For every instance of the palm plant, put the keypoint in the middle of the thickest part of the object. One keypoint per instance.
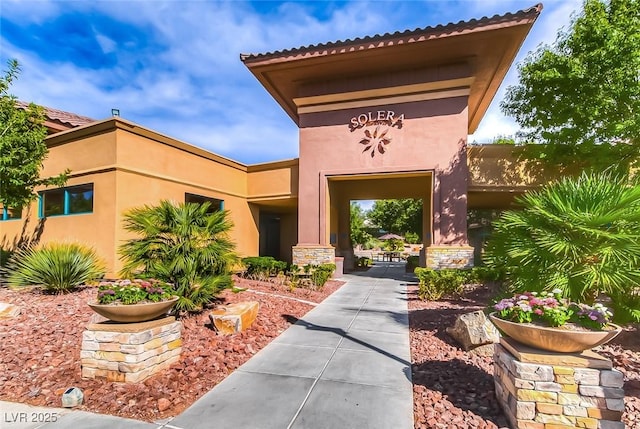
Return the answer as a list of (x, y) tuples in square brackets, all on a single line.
[(181, 244), (580, 235), (56, 267)]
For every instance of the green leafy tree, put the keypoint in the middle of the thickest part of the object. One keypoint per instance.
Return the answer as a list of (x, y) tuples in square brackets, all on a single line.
[(22, 146), (184, 245), (398, 216), (359, 234), (580, 235), (581, 96), (412, 238), (393, 245), (503, 140)]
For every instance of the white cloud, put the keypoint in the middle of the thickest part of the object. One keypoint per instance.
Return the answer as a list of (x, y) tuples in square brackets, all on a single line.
[(106, 44), (182, 75)]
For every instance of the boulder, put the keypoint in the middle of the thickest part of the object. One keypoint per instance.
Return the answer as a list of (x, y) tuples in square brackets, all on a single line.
[(72, 397), (8, 311), (232, 318), (472, 330)]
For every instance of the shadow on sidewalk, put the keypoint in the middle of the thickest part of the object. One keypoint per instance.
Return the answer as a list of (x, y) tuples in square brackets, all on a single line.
[(341, 332)]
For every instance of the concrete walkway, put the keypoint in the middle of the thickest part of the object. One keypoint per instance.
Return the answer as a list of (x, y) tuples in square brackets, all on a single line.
[(345, 364)]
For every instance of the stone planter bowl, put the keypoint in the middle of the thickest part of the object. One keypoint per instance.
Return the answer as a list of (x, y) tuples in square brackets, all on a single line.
[(134, 312), (555, 339)]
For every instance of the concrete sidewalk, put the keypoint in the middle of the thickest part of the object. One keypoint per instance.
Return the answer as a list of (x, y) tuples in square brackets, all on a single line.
[(345, 364)]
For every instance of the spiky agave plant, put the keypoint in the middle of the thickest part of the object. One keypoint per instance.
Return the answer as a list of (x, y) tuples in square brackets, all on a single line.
[(580, 235), (181, 244), (56, 267)]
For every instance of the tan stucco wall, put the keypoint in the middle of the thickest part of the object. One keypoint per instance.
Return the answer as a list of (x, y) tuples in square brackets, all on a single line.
[(131, 166), (82, 154), (273, 180), (167, 172), (91, 160), (499, 166)]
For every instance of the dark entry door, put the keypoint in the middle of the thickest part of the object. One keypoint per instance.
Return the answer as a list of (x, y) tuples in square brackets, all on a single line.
[(270, 235)]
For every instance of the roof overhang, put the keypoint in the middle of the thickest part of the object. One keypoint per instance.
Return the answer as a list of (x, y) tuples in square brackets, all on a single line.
[(304, 78)]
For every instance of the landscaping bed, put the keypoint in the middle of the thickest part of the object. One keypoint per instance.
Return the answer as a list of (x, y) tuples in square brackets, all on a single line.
[(40, 354), (40, 357), (454, 389)]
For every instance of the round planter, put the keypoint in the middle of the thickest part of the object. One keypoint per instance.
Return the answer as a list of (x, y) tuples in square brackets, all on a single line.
[(133, 312), (554, 339)]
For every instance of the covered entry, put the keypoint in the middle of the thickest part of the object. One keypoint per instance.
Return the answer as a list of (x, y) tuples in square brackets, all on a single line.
[(344, 188), (388, 116)]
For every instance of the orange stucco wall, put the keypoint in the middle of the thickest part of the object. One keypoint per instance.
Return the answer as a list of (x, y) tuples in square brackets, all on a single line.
[(273, 180), (131, 166), (91, 160)]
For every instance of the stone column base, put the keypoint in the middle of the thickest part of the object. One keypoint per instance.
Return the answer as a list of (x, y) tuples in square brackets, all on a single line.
[(313, 254), (540, 390), (130, 352), (440, 257)]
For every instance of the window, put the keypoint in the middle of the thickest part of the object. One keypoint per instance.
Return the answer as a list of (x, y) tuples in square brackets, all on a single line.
[(9, 213), (216, 204), (66, 201)]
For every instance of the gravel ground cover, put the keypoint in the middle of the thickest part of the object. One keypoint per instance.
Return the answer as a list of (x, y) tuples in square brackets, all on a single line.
[(40, 354), (454, 389)]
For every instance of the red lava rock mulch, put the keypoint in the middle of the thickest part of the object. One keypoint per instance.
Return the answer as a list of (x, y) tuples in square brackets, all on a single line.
[(454, 389), (40, 354)]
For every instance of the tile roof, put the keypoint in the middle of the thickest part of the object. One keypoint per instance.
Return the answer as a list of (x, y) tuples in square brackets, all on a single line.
[(423, 33), (61, 117)]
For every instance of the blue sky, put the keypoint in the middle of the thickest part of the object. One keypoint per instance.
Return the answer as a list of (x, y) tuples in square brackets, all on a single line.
[(174, 67)]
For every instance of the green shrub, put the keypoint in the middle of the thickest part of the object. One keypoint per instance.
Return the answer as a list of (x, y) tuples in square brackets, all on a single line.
[(182, 244), (320, 274), (485, 274), (263, 266), (412, 263), (580, 235), (311, 276), (626, 309), (364, 262), (435, 284), (56, 267), (5, 255), (393, 245)]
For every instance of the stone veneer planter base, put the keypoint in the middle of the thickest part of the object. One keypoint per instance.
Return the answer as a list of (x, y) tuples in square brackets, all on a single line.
[(546, 390), (130, 352), (443, 257), (313, 254)]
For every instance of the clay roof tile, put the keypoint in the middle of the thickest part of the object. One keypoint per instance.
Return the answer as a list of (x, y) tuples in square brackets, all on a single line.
[(68, 119), (423, 32)]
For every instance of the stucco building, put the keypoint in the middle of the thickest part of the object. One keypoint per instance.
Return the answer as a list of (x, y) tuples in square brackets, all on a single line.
[(385, 116)]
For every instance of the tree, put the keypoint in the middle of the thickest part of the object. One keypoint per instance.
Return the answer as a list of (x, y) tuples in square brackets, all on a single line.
[(503, 140), (580, 235), (22, 146), (182, 244), (581, 96), (359, 234), (398, 216)]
